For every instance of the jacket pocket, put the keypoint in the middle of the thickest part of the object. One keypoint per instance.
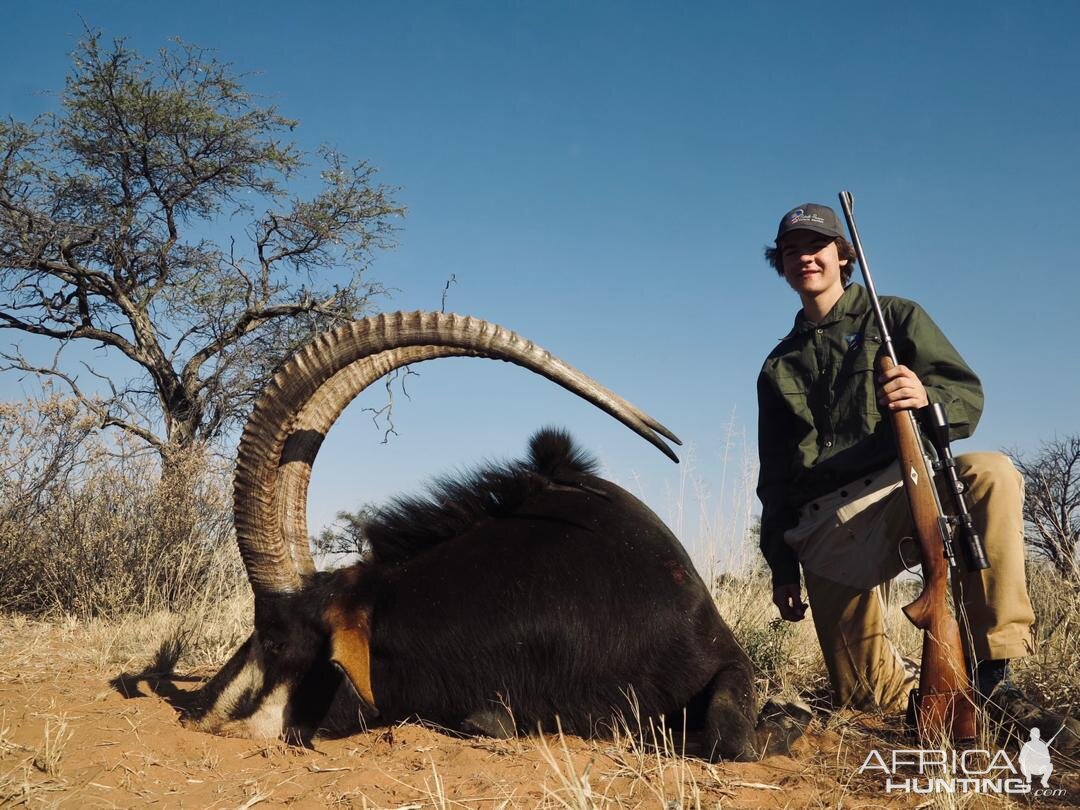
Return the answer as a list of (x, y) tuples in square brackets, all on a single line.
[(791, 386), (855, 394)]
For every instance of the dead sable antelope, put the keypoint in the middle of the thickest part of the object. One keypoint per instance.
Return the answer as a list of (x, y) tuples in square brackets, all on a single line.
[(529, 592)]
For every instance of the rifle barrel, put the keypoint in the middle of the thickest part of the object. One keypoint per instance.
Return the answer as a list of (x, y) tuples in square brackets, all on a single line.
[(847, 202)]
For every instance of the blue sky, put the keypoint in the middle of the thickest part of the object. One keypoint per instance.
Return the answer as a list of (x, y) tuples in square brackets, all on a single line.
[(602, 177)]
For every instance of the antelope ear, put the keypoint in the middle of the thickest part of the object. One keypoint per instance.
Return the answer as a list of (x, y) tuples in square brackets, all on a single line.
[(350, 644)]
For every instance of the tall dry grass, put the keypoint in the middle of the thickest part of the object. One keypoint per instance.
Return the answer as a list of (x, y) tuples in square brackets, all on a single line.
[(89, 527), (1050, 676), (715, 520)]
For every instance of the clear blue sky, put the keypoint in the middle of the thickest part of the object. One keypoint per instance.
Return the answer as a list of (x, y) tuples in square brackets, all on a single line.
[(602, 177)]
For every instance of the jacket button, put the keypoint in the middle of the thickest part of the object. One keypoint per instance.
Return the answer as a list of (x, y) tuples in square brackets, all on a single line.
[(843, 493), (815, 506)]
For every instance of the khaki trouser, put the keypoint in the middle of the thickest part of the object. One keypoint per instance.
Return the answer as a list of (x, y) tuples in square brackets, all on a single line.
[(849, 543)]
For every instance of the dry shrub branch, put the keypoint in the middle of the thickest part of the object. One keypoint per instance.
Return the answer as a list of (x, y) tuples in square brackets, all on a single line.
[(90, 527)]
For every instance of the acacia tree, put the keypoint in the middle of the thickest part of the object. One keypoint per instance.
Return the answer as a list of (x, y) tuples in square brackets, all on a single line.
[(1052, 502), (348, 535), (150, 216)]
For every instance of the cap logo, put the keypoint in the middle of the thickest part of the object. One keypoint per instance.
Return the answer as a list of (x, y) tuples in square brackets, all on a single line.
[(799, 216)]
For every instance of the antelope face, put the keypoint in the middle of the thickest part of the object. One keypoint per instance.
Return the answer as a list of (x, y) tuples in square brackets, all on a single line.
[(280, 683)]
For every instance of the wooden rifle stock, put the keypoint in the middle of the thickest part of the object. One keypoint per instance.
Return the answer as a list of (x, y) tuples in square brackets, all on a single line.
[(944, 703)]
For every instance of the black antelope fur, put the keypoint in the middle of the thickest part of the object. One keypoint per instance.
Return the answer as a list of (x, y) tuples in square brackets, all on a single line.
[(514, 598)]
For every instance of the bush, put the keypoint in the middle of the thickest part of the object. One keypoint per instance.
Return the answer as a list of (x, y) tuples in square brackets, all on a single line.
[(92, 528), (1050, 675)]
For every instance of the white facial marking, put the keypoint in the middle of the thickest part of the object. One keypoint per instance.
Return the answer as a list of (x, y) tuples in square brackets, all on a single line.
[(267, 722)]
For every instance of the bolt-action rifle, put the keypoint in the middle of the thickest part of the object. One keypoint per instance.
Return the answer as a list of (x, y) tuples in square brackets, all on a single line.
[(944, 702)]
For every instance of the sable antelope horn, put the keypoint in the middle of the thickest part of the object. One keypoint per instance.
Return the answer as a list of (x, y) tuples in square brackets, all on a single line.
[(308, 393)]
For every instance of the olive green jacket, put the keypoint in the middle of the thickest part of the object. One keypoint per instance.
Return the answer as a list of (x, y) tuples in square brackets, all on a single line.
[(819, 423)]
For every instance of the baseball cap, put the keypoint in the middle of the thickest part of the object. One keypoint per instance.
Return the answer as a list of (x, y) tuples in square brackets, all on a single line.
[(810, 217)]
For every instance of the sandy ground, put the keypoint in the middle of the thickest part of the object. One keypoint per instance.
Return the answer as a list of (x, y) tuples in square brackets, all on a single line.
[(75, 734)]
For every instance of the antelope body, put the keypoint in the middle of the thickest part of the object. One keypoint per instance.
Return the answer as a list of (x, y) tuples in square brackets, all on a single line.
[(527, 596)]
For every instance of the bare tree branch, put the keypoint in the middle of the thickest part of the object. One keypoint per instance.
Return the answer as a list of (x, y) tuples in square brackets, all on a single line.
[(385, 414), (105, 410), (1052, 502), (446, 290)]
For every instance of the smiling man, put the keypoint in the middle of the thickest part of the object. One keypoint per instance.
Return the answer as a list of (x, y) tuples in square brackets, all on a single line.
[(832, 499)]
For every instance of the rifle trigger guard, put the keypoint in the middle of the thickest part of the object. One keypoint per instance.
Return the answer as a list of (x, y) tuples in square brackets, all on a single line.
[(909, 567)]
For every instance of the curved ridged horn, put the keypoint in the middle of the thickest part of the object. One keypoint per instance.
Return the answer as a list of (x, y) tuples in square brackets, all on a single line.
[(313, 423), (376, 346)]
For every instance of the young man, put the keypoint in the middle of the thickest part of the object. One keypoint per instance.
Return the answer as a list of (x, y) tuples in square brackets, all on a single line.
[(829, 484)]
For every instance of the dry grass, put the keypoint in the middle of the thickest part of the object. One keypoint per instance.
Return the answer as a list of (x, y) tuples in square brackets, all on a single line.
[(55, 739), (639, 766), (92, 528), (1051, 674)]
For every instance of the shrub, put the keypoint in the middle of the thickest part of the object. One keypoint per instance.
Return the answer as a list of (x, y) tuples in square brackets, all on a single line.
[(1050, 675), (90, 528)]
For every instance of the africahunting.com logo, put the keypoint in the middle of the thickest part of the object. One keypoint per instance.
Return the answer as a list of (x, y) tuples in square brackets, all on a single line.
[(974, 770)]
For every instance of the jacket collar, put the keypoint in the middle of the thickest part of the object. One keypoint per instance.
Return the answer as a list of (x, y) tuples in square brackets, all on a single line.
[(855, 301)]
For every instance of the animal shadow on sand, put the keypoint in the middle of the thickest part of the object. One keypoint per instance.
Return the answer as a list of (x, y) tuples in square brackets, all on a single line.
[(160, 678)]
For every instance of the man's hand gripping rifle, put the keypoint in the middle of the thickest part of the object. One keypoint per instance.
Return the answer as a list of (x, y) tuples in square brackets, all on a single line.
[(944, 702)]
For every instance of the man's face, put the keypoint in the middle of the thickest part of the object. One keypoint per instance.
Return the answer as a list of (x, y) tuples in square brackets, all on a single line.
[(811, 262)]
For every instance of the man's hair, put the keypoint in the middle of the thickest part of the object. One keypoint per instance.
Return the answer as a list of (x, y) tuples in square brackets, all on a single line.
[(843, 248)]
